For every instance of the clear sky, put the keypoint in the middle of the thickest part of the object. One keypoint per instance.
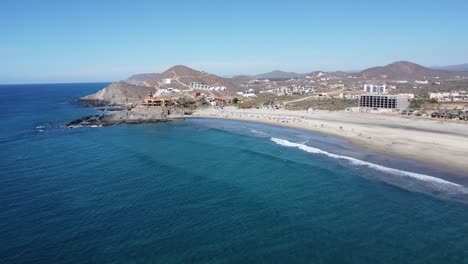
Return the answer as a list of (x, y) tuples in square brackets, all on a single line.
[(82, 41)]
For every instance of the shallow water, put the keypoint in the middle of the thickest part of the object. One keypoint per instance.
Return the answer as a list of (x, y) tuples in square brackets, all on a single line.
[(208, 191)]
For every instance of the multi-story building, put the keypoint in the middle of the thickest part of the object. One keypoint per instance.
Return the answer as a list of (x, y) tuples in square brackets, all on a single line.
[(383, 101)]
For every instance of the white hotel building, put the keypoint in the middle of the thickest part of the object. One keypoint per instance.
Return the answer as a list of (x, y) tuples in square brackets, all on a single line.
[(376, 97)]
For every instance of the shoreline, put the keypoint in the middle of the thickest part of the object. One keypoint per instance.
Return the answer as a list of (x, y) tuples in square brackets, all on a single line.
[(420, 140)]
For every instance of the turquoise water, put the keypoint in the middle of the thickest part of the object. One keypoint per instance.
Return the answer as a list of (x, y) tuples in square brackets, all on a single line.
[(209, 191)]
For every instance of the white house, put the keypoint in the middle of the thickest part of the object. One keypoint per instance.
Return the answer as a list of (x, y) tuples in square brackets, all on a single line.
[(407, 95), (422, 82), (166, 81)]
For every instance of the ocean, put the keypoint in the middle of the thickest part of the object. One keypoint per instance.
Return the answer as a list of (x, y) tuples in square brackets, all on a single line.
[(210, 191)]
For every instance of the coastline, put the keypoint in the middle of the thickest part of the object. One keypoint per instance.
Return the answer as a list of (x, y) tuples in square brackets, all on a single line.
[(433, 142)]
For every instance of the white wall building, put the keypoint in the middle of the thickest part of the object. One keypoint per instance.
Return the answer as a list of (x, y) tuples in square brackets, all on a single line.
[(337, 85), (165, 81), (450, 96), (422, 82), (168, 91), (348, 96), (202, 86), (378, 89), (407, 95)]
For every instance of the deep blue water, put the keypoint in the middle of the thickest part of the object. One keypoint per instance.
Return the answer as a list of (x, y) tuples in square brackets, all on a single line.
[(207, 191)]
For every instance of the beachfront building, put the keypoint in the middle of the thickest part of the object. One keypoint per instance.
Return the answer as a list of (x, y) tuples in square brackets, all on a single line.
[(383, 101), (150, 100), (378, 89)]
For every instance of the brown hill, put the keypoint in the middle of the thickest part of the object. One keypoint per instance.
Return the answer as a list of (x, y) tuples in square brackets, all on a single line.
[(404, 70), (279, 75), (119, 93), (141, 78), (183, 76)]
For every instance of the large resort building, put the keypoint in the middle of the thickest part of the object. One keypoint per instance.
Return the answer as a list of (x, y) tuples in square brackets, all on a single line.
[(383, 101), (376, 97)]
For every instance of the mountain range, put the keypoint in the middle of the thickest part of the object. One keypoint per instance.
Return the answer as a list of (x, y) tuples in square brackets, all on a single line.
[(458, 67), (405, 70), (277, 74), (400, 70), (182, 76)]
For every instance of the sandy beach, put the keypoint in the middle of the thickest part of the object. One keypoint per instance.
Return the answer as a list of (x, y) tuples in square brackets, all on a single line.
[(424, 140)]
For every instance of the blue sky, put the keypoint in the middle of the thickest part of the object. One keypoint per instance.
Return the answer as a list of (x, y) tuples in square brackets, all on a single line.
[(83, 41)]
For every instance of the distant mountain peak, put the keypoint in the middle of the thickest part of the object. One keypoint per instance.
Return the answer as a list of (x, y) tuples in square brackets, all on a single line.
[(278, 74), (182, 69), (404, 70), (457, 67)]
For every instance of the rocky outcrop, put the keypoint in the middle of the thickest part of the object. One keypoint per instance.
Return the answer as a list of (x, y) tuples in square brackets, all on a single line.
[(137, 115), (118, 93)]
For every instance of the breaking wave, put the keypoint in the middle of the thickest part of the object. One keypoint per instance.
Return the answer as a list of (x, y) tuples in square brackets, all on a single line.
[(435, 184), (258, 132)]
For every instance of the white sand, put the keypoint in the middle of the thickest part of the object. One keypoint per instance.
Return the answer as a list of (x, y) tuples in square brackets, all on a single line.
[(431, 141)]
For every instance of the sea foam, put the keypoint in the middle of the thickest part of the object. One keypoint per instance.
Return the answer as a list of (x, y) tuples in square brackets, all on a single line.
[(434, 182)]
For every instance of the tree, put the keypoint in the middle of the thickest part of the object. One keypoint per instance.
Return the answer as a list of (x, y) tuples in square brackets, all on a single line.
[(415, 103), (235, 100)]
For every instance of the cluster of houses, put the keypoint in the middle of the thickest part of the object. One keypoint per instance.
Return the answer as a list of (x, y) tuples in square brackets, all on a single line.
[(293, 90), (204, 87), (460, 96), (165, 92), (217, 101), (348, 96), (213, 101), (250, 93)]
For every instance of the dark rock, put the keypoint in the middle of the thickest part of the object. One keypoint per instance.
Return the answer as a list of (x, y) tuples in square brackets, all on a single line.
[(75, 122), (86, 118), (92, 102)]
